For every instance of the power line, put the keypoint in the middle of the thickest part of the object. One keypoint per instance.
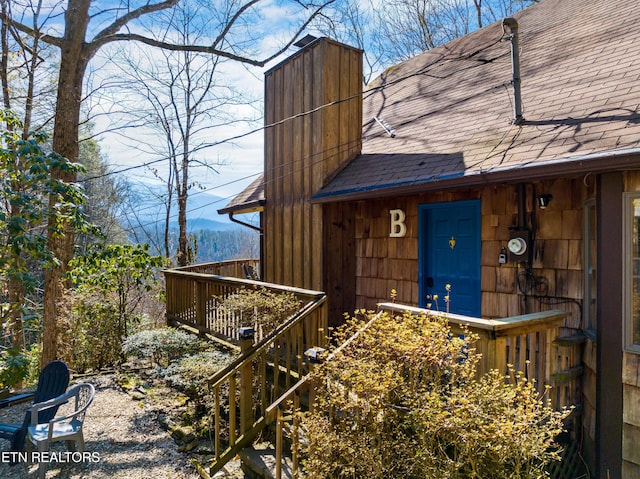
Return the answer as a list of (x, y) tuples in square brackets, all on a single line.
[(364, 95), (321, 154)]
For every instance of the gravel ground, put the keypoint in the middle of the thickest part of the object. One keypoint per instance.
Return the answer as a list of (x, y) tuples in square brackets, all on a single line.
[(123, 434)]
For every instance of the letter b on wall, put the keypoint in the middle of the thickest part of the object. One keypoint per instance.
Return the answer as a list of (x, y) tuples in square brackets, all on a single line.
[(398, 228)]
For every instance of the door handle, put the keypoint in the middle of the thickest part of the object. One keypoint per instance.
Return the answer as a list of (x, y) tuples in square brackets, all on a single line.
[(429, 282)]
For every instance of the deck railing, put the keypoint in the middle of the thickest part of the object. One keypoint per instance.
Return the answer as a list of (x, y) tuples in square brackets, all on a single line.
[(532, 343), (195, 299), (245, 395), (236, 268)]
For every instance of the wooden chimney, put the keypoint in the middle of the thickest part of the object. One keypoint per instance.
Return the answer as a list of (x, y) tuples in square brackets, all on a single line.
[(313, 118)]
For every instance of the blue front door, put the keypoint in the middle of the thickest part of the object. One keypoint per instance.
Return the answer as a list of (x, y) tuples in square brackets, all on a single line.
[(449, 253)]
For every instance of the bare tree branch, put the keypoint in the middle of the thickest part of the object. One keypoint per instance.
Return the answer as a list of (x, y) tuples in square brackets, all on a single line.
[(105, 35), (232, 21), (50, 39), (300, 30)]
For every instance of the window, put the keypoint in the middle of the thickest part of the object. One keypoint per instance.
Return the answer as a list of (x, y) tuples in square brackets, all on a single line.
[(590, 271), (631, 293)]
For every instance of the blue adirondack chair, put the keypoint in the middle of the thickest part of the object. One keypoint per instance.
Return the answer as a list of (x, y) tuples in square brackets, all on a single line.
[(53, 381)]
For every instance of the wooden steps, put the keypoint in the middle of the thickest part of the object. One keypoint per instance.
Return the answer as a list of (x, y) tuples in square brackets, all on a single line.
[(259, 462)]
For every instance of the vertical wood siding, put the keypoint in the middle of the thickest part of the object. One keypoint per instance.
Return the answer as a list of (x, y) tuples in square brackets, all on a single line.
[(631, 389), (340, 265), (304, 151)]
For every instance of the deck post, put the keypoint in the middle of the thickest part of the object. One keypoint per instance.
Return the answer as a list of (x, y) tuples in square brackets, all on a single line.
[(246, 381), (314, 356), (201, 300), (609, 334)]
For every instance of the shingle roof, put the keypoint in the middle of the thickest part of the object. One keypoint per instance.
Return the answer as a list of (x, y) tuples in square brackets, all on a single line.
[(249, 200), (452, 107)]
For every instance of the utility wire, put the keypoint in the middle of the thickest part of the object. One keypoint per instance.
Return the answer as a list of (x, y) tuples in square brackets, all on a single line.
[(320, 154), (364, 95)]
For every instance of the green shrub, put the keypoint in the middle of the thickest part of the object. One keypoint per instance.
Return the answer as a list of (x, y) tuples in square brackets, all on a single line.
[(91, 337), (191, 373), (402, 400), (162, 345), (33, 369), (124, 277), (115, 291), (14, 367)]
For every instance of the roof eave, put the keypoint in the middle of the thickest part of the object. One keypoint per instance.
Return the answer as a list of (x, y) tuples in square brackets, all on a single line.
[(600, 162), (243, 208)]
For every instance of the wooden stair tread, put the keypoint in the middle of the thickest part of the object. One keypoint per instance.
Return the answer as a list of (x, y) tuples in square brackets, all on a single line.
[(259, 461)]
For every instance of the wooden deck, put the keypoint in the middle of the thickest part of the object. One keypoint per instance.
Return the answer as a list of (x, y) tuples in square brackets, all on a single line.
[(272, 368), (531, 343), (245, 395), (195, 295)]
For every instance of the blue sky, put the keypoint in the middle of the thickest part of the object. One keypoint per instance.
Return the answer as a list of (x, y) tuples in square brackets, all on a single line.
[(240, 160)]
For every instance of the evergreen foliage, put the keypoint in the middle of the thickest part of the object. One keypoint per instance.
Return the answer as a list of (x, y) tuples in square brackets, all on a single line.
[(24, 204), (114, 286), (103, 193), (32, 204)]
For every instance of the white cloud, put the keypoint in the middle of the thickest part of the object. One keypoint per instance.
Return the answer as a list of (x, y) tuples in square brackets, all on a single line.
[(240, 160)]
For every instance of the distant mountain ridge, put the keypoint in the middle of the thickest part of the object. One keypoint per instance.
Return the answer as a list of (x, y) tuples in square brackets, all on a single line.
[(202, 214), (202, 211), (199, 224), (216, 237)]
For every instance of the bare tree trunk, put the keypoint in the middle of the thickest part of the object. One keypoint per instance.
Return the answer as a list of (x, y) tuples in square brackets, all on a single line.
[(28, 110), (4, 61), (16, 296), (16, 292), (183, 241), (182, 257), (167, 219), (73, 63)]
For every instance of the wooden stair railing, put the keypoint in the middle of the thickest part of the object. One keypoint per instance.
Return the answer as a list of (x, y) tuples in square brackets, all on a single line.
[(274, 411), (247, 391), (532, 342), (291, 399)]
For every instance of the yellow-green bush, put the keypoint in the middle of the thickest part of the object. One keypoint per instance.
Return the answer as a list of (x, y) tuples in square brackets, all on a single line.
[(260, 307), (403, 401)]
